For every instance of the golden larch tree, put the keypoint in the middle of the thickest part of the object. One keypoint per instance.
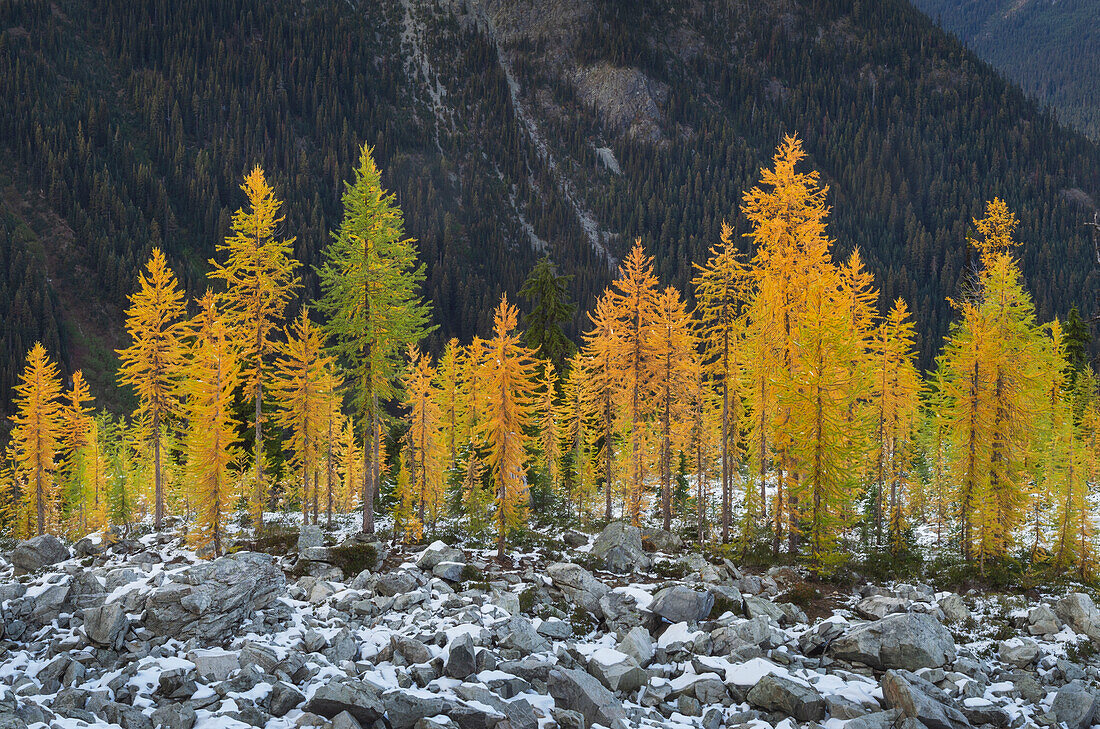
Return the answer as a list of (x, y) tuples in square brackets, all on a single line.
[(423, 440), (259, 282), (720, 292), (212, 375), (77, 443), (35, 435), (151, 363), (508, 379), (633, 298), (675, 368), (602, 369), (298, 388)]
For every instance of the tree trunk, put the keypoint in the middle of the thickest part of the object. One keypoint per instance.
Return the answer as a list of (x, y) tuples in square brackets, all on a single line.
[(158, 485), (258, 487)]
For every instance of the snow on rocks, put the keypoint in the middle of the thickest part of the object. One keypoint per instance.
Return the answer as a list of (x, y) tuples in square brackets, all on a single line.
[(139, 634)]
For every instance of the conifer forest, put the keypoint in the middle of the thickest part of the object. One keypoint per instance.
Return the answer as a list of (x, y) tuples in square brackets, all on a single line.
[(771, 407)]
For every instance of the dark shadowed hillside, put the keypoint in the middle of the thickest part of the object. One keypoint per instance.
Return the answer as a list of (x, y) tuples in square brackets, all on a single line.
[(506, 129)]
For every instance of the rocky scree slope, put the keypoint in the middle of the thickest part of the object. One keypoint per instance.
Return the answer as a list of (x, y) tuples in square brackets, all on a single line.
[(140, 634)]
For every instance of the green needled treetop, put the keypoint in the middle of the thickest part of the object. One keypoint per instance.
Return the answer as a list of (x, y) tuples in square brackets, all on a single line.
[(371, 282), (549, 292)]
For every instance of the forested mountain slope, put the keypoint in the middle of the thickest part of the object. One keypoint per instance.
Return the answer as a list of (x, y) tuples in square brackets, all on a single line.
[(506, 129), (1052, 49)]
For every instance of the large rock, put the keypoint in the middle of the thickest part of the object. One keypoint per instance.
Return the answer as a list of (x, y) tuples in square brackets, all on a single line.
[(877, 607), (659, 540), (616, 670), (106, 626), (310, 537), (638, 644), (578, 585), (921, 700), (209, 601), (438, 552), (358, 698), (576, 690), (1080, 613), (41, 551), (681, 604), (910, 641), (1075, 706), (461, 657), (954, 609), (405, 707), (619, 547), (777, 693)]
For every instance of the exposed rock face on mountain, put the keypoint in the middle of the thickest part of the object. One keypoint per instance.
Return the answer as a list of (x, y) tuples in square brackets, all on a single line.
[(137, 636)]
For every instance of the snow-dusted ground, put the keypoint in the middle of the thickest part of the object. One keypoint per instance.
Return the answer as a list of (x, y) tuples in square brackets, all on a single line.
[(525, 620)]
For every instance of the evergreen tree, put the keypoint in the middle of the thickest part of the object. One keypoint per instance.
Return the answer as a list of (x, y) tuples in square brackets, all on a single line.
[(259, 280), (371, 281), (548, 292)]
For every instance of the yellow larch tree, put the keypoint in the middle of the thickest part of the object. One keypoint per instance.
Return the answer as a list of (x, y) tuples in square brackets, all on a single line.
[(633, 297), (704, 421), (35, 435), (424, 439), (259, 282), (332, 425), (817, 403), (786, 212), (895, 403), (602, 369), (151, 363), (578, 477), (508, 376), (212, 375), (550, 430), (720, 292), (351, 465), (450, 400), (78, 444), (298, 387), (992, 373), (673, 351)]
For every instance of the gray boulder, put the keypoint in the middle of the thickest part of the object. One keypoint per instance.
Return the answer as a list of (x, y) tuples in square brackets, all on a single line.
[(681, 604), (283, 698), (1075, 706), (578, 585), (921, 700), (638, 644), (406, 707), (1020, 652), (1079, 612), (42, 551), (449, 571), (877, 607), (209, 601), (461, 658), (576, 690), (437, 552), (619, 547), (106, 626), (358, 698), (310, 536), (910, 641), (174, 716), (776, 693), (616, 670), (954, 609)]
